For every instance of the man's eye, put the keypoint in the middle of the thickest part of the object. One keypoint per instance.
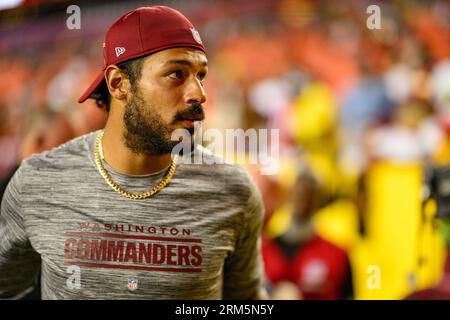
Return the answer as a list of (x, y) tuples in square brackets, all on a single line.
[(178, 74)]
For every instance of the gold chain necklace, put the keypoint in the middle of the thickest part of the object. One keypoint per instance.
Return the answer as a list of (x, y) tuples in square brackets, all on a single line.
[(98, 156)]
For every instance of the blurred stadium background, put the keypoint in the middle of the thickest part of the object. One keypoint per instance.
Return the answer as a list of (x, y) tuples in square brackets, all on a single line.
[(363, 114)]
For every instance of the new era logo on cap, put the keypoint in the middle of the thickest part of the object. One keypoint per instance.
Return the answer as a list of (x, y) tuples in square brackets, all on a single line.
[(120, 51)]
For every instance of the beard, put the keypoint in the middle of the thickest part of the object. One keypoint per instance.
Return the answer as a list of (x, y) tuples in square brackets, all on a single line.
[(145, 131)]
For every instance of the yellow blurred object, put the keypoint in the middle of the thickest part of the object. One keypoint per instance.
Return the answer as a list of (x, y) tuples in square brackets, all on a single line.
[(430, 208), (441, 155), (279, 221), (403, 251), (288, 171), (324, 170), (314, 113), (338, 223)]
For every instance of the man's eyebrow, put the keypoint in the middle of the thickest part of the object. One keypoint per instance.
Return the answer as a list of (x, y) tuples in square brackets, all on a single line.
[(184, 62)]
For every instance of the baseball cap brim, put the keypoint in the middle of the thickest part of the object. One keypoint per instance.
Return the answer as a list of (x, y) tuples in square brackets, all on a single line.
[(92, 88)]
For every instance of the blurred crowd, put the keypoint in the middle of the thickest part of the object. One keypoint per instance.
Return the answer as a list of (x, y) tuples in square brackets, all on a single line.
[(361, 112)]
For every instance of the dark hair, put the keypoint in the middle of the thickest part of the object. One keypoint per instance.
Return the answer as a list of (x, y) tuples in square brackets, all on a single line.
[(132, 69)]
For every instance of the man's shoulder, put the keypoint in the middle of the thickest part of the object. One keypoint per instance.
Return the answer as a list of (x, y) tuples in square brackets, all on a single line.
[(202, 160), (66, 154), (228, 176)]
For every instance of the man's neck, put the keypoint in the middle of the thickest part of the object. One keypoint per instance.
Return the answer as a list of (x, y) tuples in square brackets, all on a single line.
[(123, 160)]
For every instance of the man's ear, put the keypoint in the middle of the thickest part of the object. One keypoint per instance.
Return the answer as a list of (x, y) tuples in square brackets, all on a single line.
[(118, 84)]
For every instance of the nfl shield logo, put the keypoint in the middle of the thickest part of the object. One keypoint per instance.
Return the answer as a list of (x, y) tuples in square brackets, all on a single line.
[(132, 284), (196, 36)]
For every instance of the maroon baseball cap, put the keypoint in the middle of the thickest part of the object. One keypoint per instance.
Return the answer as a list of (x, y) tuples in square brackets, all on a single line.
[(141, 32)]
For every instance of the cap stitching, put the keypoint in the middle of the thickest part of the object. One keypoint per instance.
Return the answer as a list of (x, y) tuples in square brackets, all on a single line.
[(139, 30)]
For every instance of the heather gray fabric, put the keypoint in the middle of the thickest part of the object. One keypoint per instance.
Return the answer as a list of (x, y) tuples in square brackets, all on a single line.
[(198, 238)]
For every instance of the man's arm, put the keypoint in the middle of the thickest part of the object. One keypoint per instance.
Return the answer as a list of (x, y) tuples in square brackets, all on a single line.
[(244, 271), (19, 262)]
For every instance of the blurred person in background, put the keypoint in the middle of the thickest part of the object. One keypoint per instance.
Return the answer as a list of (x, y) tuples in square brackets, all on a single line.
[(46, 130), (299, 256), (9, 145)]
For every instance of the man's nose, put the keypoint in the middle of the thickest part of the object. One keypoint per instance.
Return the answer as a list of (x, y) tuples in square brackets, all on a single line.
[(195, 94)]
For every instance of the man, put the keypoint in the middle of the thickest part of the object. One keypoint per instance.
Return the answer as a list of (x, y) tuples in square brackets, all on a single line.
[(110, 214), (300, 255)]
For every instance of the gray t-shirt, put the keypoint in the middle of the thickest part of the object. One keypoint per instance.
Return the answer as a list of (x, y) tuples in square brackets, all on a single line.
[(198, 238)]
